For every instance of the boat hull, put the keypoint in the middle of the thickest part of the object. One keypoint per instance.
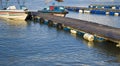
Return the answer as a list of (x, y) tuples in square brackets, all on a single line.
[(62, 14), (13, 14)]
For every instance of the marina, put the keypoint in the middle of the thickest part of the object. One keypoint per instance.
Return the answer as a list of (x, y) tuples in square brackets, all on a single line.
[(77, 39)]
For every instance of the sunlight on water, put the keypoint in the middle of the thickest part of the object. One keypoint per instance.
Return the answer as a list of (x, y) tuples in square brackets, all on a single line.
[(19, 23)]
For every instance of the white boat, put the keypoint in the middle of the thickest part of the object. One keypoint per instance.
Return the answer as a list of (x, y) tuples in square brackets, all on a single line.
[(13, 13)]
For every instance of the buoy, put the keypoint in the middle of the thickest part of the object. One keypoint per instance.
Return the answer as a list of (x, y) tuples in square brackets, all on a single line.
[(103, 7), (113, 7), (80, 33), (59, 26), (50, 23), (92, 11), (107, 7), (100, 12), (80, 11), (100, 39), (42, 20), (116, 14), (46, 22), (88, 37), (111, 13), (66, 29), (107, 13), (118, 45), (86, 11), (73, 31)]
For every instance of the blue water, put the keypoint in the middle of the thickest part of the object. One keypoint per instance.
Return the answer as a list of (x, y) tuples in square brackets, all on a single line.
[(33, 44)]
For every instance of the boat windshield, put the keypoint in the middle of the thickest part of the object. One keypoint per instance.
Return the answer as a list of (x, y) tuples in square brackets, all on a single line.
[(61, 8)]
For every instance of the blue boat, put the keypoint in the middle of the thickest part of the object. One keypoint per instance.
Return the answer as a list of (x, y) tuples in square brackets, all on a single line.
[(55, 10)]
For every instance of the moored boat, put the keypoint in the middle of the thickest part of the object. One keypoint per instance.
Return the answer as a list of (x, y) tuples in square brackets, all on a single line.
[(55, 10), (13, 13)]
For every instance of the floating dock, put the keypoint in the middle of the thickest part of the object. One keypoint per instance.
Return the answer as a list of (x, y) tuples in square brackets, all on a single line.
[(95, 10), (88, 30), (104, 6)]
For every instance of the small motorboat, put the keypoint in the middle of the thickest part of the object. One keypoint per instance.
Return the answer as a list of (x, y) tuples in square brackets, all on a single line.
[(55, 10), (11, 11)]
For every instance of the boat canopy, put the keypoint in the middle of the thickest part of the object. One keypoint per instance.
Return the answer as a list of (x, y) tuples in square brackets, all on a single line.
[(11, 8)]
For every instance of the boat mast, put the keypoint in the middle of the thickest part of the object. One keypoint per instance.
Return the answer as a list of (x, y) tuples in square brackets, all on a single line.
[(1, 4), (18, 3), (21, 3), (24, 2), (6, 3)]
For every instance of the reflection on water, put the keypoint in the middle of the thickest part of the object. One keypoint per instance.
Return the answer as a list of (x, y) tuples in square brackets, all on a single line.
[(90, 44), (73, 34), (35, 44), (16, 22)]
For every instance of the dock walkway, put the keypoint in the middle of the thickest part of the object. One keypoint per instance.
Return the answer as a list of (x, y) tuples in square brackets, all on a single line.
[(109, 33)]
